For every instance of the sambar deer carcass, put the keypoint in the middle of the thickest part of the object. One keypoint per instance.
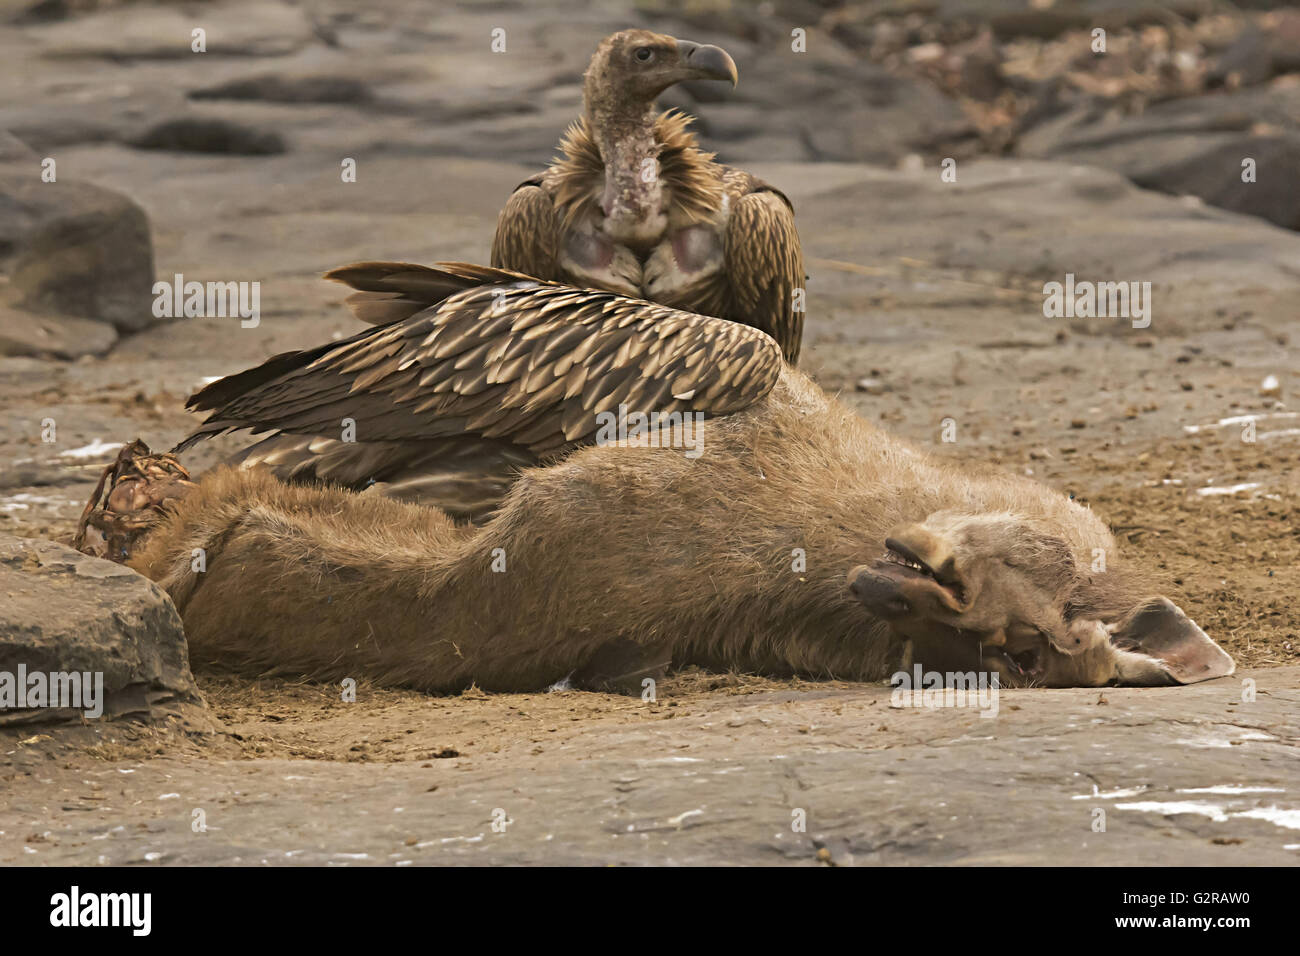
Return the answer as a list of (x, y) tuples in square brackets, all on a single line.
[(785, 535)]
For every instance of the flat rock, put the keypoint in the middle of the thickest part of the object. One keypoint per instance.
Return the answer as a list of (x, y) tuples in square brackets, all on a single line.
[(66, 612), (281, 88), (203, 134), (1191, 776), (262, 28), (1192, 147), (73, 249), (55, 336), (1035, 219)]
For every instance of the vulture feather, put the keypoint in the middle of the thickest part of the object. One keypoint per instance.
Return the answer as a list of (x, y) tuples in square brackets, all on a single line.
[(634, 206), (439, 418)]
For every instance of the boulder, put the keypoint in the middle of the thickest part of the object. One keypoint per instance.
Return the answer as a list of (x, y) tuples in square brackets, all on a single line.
[(63, 611), (1192, 147), (73, 249), (286, 88), (1213, 172), (878, 117), (56, 336), (1260, 52), (198, 134), (830, 112)]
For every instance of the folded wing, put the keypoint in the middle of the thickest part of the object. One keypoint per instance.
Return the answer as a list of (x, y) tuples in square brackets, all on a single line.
[(479, 365)]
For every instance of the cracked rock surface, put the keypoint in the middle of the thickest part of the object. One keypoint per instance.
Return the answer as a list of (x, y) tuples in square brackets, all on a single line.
[(1115, 777)]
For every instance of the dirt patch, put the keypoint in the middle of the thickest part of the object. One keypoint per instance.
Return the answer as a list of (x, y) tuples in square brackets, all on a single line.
[(1231, 558), (274, 718)]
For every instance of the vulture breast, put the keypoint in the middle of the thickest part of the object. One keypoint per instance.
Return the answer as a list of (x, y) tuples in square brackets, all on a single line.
[(674, 266)]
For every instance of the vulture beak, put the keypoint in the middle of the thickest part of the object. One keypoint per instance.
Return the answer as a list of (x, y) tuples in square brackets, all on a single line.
[(706, 62)]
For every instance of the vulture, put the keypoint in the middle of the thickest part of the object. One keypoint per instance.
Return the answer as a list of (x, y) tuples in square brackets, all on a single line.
[(478, 373), (634, 205)]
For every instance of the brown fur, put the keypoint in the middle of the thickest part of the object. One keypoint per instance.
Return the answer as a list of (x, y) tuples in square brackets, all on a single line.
[(613, 543)]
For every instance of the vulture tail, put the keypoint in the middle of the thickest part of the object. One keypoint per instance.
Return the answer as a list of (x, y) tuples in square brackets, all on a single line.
[(391, 291)]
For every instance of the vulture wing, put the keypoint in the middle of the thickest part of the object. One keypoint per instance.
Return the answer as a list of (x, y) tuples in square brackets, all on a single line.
[(506, 359), (527, 239), (764, 266)]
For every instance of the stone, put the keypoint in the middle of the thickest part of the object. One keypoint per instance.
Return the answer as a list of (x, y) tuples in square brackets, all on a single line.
[(279, 88), (1004, 217), (74, 249), (1192, 147), (53, 336), (1260, 54), (196, 134), (65, 612), (871, 386), (879, 117), (1213, 173), (246, 28), (880, 785)]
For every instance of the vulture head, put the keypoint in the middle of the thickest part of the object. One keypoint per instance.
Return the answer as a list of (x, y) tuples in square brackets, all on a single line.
[(631, 68)]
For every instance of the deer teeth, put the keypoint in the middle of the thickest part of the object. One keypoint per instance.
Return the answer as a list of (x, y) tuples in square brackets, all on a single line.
[(895, 558)]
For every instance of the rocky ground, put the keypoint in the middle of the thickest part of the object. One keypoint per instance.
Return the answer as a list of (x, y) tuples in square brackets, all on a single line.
[(926, 304), (719, 771)]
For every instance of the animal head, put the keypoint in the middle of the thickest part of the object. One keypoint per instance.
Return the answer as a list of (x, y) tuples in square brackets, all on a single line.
[(635, 66), (1005, 593)]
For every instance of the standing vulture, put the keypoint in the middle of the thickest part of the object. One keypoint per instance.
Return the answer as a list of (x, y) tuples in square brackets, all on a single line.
[(479, 373), (636, 207)]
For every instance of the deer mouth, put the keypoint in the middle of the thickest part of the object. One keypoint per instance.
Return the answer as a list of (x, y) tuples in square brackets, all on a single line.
[(916, 582), (1026, 665)]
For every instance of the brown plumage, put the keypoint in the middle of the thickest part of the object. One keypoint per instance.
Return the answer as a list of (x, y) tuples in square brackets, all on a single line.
[(635, 206), (478, 373)]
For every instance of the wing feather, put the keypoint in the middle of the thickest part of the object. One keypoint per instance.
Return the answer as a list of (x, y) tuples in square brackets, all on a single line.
[(764, 266), (527, 362), (527, 239)]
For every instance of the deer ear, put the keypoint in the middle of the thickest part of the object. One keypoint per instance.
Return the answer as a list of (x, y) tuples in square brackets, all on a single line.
[(1158, 644)]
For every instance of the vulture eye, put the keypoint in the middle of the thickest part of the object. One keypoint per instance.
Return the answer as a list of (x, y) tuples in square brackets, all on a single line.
[(644, 54)]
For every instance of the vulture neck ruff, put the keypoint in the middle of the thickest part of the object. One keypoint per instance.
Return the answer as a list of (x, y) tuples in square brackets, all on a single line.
[(688, 183)]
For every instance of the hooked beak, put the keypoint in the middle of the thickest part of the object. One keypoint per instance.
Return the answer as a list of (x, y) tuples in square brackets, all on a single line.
[(707, 62)]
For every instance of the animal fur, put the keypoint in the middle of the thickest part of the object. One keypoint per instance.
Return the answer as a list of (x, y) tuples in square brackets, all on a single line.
[(692, 559)]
